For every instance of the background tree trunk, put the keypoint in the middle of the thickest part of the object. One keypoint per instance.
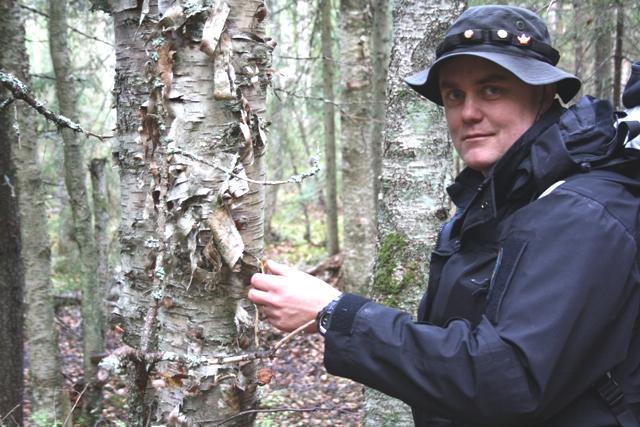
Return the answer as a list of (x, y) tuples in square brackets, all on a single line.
[(99, 192), (603, 47), (49, 403), (331, 198), (358, 174), (191, 233), (75, 174), (417, 167), (617, 56), (11, 267)]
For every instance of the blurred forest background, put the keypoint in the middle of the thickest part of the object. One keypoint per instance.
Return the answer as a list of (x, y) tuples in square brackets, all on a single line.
[(317, 107)]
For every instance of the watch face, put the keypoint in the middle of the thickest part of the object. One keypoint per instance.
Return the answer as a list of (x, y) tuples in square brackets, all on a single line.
[(324, 322)]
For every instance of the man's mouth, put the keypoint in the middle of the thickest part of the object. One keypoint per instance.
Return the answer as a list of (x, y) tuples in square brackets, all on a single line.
[(474, 136)]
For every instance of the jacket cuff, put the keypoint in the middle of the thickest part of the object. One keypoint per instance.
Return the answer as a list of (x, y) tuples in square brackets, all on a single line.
[(345, 312)]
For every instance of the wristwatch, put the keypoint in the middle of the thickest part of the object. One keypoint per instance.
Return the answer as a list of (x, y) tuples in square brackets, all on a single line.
[(323, 320)]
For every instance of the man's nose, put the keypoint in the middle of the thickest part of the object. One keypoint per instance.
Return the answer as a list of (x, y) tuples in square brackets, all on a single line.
[(471, 111)]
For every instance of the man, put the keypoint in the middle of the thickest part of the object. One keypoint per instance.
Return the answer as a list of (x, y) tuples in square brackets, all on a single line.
[(532, 307)]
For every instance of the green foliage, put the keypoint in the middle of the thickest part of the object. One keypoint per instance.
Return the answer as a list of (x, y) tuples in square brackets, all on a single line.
[(395, 271), (44, 419)]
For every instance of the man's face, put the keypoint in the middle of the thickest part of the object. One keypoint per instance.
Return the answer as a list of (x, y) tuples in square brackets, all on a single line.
[(487, 108)]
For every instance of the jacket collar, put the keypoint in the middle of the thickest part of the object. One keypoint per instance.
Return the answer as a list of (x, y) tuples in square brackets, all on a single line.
[(560, 143)]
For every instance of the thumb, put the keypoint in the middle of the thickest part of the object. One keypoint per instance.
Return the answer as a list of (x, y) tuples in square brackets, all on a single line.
[(278, 269)]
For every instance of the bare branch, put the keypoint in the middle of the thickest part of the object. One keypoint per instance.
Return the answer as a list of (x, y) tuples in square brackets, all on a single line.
[(9, 413), (75, 405), (22, 91), (75, 30), (292, 180)]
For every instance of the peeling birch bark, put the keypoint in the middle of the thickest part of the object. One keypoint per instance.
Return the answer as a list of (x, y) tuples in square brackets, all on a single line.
[(191, 234)]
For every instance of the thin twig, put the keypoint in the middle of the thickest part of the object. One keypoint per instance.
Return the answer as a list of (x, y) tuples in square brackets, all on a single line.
[(9, 413), (293, 179), (291, 335), (75, 405), (75, 30), (22, 91)]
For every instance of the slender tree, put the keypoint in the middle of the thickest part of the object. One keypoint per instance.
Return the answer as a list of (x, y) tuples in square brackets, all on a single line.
[(331, 198), (617, 56), (190, 87), (75, 177), (356, 119), (417, 166), (602, 58), (11, 266)]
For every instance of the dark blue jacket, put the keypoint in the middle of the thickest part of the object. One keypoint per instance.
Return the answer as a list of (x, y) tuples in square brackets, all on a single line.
[(530, 299)]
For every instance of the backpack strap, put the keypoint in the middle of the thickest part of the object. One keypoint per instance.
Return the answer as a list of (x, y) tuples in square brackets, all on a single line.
[(611, 392)]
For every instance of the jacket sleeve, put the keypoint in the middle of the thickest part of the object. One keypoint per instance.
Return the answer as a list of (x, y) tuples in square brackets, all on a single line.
[(563, 302)]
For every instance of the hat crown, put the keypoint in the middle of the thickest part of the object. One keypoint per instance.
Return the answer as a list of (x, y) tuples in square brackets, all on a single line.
[(513, 19)]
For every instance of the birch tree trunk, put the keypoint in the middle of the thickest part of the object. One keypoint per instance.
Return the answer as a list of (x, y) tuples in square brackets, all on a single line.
[(417, 167), (331, 185), (190, 89), (75, 177), (12, 279), (356, 120)]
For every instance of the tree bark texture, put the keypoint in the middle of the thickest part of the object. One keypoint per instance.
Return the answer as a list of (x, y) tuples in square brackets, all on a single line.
[(75, 177), (417, 167), (617, 56), (11, 266), (356, 121), (99, 193), (190, 90), (331, 185), (49, 402), (578, 42)]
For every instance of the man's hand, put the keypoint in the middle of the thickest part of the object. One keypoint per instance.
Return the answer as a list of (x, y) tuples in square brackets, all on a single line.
[(288, 297)]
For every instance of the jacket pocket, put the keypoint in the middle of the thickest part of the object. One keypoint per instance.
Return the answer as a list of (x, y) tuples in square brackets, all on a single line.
[(508, 257)]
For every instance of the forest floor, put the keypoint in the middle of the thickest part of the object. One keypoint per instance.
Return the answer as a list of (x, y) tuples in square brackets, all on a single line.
[(301, 392)]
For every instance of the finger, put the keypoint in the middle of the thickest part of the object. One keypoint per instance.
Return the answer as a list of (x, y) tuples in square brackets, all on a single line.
[(258, 297), (264, 282), (278, 269)]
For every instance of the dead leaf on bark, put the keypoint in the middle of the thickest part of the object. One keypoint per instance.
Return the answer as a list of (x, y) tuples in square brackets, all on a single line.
[(165, 67), (213, 27), (264, 376), (225, 235)]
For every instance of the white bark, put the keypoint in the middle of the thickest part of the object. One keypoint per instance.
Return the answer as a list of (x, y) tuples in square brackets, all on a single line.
[(417, 167), (191, 233), (358, 172)]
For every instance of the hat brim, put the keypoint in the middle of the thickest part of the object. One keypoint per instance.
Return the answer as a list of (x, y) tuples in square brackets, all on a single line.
[(529, 70)]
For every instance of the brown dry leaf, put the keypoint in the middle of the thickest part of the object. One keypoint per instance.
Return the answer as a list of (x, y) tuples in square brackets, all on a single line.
[(213, 27), (165, 66), (264, 376)]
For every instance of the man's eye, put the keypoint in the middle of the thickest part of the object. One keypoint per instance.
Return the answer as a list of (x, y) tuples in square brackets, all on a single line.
[(492, 91), (453, 95)]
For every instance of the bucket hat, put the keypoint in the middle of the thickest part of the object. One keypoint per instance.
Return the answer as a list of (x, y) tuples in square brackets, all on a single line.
[(512, 37)]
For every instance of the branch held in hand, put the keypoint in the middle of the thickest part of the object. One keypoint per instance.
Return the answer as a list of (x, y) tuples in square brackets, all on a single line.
[(22, 91)]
